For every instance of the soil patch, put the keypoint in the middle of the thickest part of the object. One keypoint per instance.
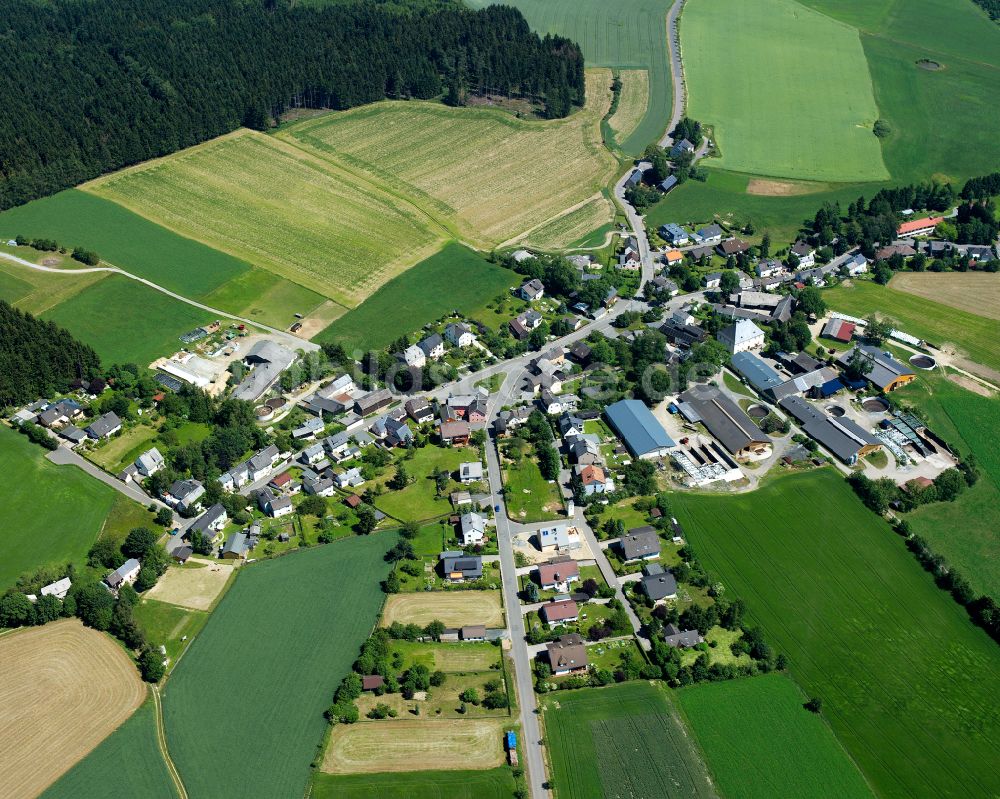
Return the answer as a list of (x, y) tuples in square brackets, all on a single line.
[(971, 385), (782, 188), (192, 588), (454, 608)]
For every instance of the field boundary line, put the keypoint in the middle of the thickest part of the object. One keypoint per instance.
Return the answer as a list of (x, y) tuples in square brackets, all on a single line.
[(575, 207), (161, 742)]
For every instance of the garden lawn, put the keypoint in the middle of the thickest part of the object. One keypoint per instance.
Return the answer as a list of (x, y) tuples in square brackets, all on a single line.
[(629, 34), (907, 682), (542, 502), (760, 742), (943, 326), (449, 657), (127, 322), (814, 65), (129, 759), (453, 279), (419, 500), (496, 783), (49, 515), (623, 740), (292, 627), (124, 448)]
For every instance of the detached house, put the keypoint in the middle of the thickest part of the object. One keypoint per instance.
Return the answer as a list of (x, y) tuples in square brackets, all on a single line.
[(472, 527), (470, 472), (150, 462), (457, 567), (184, 495), (414, 356), (432, 346), (558, 574), (805, 253), (532, 290), (595, 479), (558, 538), (273, 505), (640, 543), (126, 573), (741, 336), (460, 334), (104, 426), (563, 611), (567, 655), (708, 235)]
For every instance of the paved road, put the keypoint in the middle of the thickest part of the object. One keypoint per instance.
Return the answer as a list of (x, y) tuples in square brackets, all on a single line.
[(676, 72), (283, 336)]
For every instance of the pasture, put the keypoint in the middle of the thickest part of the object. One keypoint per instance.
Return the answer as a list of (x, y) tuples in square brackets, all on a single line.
[(452, 279), (413, 745), (495, 783), (760, 742), (945, 327), (194, 588), (568, 228), (629, 34), (454, 608), (290, 626), (444, 146), (814, 65), (49, 515), (168, 625), (129, 759), (633, 99), (63, 689), (264, 201), (977, 293), (907, 682), (623, 740), (450, 657)]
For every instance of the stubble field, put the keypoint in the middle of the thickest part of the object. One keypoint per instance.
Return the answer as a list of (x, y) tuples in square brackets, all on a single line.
[(632, 103), (63, 689), (454, 608), (572, 226)]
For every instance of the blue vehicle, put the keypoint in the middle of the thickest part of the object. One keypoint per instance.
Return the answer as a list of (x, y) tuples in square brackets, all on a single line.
[(496, 508)]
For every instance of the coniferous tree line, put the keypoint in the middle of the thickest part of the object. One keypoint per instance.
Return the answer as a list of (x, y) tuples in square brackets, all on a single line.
[(89, 87), (39, 358)]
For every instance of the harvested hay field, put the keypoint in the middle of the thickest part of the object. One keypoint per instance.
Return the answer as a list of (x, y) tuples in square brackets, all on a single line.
[(63, 689), (191, 587), (564, 230), (454, 608), (426, 153), (975, 292), (410, 745), (763, 187), (278, 207), (632, 103)]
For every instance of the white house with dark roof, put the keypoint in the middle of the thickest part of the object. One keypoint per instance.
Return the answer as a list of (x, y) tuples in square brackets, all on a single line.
[(58, 589), (104, 426), (473, 529), (460, 334), (150, 462), (806, 253), (432, 346), (184, 494), (414, 356), (532, 289), (126, 573)]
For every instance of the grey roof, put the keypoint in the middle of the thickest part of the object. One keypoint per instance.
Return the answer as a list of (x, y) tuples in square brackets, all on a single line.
[(674, 636), (236, 543), (208, 518), (430, 343), (263, 459), (182, 489), (73, 433), (471, 566), (270, 359), (373, 400), (757, 373), (741, 331), (640, 542), (669, 183), (710, 232), (724, 418), (568, 652), (103, 425), (637, 427), (659, 586), (885, 368), (843, 437), (117, 577)]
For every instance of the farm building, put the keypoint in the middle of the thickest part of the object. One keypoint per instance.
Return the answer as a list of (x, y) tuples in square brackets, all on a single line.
[(919, 227), (266, 360), (638, 429), (126, 573), (756, 371), (741, 336), (683, 335), (567, 655), (838, 330), (373, 402), (235, 547), (561, 611), (558, 574), (724, 419), (58, 589), (640, 543), (847, 440), (887, 374), (473, 632), (372, 682)]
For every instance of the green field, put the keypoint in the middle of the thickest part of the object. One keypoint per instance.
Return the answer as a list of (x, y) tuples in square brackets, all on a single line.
[(907, 682), (496, 783), (628, 34), (252, 688), (454, 279), (530, 497), (49, 515), (273, 205), (37, 292), (624, 740), (941, 325), (964, 531), (166, 625), (419, 500), (129, 759), (805, 111), (125, 321), (760, 742)]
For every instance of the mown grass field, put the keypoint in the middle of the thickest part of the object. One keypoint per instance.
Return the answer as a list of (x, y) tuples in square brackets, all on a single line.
[(629, 34), (481, 172), (129, 759), (760, 742), (49, 515), (125, 321), (37, 292), (907, 682), (168, 625), (624, 740), (496, 783), (632, 103), (266, 202), (572, 226), (530, 497), (453, 279), (454, 608), (252, 689), (814, 65), (964, 531), (977, 293), (944, 327), (419, 500)]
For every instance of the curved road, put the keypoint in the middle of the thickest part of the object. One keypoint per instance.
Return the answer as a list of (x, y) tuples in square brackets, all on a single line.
[(287, 338), (676, 72)]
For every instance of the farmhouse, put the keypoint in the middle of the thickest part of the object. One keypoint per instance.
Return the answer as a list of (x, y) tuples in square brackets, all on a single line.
[(658, 583), (562, 611), (844, 438), (724, 419), (838, 330), (104, 426), (887, 374), (432, 346), (150, 462), (919, 227), (457, 567), (558, 537), (266, 360), (558, 574), (309, 428), (470, 472), (683, 335), (741, 336), (640, 543), (532, 290), (594, 479), (473, 529), (58, 589), (683, 147), (567, 655), (373, 402), (685, 639), (460, 334), (126, 573), (638, 429)]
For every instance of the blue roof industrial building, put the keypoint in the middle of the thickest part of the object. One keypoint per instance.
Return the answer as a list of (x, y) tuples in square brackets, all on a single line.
[(638, 429)]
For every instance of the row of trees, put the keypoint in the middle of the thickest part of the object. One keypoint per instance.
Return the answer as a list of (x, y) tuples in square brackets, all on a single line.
[(121, 81)]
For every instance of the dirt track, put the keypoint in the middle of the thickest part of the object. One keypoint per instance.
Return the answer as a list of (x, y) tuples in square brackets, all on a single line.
[(63, 689)]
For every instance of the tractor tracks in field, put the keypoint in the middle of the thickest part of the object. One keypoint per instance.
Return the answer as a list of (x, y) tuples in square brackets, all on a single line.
[(161, 742)]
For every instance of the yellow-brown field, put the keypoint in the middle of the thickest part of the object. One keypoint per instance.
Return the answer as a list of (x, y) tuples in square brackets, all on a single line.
[(196, 588), (975, 292), (454, 608), (632, 102), (570, 227), (63, 689)]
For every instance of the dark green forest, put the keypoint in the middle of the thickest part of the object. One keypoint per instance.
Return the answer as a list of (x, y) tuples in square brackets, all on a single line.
[(39, 358), (89, 86)]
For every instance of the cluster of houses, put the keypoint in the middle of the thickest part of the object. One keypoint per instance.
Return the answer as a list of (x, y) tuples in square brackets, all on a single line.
[(63, 418)]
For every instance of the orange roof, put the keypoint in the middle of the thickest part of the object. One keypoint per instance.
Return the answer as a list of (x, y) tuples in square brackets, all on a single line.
[(919, 224), (674, 255), (592, 474)]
